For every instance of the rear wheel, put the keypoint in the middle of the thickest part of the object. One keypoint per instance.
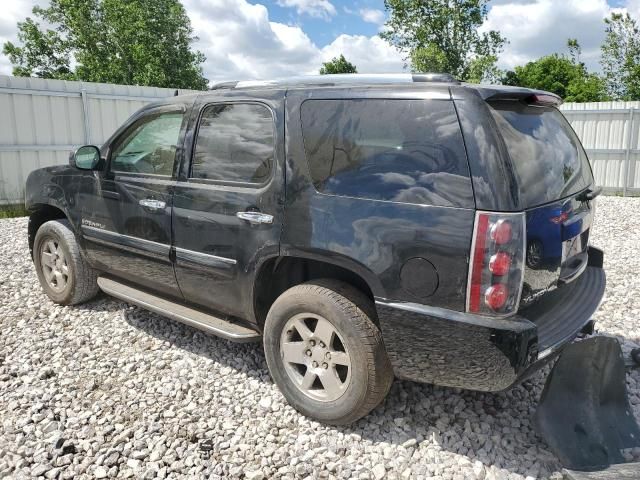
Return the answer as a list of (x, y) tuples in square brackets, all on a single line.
[(325, 353), (64, 274)]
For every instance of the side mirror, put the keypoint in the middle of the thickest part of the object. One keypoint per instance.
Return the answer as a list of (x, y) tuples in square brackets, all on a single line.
[(86, 158)]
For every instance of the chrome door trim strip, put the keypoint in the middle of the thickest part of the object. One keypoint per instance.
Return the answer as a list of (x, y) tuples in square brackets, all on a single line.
[(127, 242), (204, 259), (140, 245)]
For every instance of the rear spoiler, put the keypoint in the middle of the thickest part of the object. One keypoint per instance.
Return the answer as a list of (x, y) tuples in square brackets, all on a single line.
[(534, 97)]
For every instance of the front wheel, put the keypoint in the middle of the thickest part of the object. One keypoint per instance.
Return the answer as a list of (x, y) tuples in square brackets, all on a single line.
[(64, 274), (325, 353)]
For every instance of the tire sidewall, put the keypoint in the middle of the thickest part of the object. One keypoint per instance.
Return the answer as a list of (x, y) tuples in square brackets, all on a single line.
[(283, 310), (50, 230)]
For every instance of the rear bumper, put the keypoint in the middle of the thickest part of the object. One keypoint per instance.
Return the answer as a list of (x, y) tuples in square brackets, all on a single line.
[(444, 347)]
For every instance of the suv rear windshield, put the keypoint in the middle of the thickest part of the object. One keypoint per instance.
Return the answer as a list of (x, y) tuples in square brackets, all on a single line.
[(546, 154), (407, 151)]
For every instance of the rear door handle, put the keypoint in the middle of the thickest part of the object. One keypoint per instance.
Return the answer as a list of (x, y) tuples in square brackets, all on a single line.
[(255, 218), (152, 204)]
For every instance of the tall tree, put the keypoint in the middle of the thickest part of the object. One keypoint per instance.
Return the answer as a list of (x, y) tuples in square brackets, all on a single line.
[(133, 42), (563, 75), (443, 36), (621, 57), (338, 65)]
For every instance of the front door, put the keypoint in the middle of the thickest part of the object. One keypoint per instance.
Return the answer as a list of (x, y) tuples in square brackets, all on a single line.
[(227, 209), (127, 222)]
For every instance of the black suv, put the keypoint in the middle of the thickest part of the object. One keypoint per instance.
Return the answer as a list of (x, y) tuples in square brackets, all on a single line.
[(364, 227)]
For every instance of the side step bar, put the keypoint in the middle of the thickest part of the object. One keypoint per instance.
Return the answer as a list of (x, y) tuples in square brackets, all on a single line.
[(204, 321)]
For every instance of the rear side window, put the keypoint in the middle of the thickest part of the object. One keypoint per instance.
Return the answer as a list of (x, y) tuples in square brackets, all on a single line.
[(547, 156), (408, 151), (235, 143)]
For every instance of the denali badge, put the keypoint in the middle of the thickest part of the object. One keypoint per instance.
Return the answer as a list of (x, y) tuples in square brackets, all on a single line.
[(89, 223)]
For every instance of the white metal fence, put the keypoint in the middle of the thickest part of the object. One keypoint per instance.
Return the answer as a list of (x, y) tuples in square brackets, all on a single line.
[(42, 120), (609, 132)]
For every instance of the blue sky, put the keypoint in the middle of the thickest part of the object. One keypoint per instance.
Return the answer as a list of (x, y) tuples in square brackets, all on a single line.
[(245, 39), (348, 19)]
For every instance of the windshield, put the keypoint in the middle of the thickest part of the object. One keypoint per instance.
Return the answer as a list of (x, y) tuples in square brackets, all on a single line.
[(547, 157)]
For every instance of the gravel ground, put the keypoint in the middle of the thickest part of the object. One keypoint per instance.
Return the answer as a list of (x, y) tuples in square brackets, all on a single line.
[(104, 390)]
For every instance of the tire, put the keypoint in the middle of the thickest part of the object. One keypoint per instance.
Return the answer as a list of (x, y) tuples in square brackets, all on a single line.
[(56, 241), (357, 374)]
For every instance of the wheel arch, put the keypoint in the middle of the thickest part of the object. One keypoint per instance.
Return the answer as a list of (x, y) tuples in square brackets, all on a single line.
[(41, 213), (279, 273)]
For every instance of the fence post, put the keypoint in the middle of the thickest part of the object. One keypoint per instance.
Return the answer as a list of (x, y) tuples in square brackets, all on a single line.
[(627, 160), (85, 113)]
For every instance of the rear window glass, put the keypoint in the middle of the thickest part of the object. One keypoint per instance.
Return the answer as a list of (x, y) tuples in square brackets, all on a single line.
[(408, 151), (546, 154)]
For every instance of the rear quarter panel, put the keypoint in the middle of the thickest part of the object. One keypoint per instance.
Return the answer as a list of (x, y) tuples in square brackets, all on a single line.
[(370, 237)]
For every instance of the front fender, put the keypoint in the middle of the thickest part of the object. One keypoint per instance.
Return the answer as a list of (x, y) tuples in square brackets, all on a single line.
[(47, 186)]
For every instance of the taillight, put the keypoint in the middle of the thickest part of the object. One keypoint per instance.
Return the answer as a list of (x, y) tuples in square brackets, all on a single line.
[(501, 232), (496, 267), (500, 263)]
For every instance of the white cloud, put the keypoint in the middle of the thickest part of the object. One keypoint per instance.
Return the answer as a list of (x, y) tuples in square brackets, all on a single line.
[(372, 15), (633, 7), (240, 42), (368, 54), (541, 27), (314, 8), (12, 13)]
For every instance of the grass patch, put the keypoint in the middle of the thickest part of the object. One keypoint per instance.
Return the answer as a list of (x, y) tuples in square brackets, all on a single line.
[(13, 211)]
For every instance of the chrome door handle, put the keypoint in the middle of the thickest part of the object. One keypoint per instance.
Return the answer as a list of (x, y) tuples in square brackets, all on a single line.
[(255, 218), (152, 204)]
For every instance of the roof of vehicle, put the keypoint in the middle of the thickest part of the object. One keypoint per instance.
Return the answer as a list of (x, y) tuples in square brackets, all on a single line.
[(337, 80), (487, 92), (381, 79)]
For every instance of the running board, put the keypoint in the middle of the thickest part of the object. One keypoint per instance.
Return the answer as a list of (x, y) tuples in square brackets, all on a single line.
[(204, 321)]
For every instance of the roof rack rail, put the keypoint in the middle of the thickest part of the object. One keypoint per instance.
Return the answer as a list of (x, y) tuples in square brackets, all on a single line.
[(220, 85), (434, 77), (340, 79)]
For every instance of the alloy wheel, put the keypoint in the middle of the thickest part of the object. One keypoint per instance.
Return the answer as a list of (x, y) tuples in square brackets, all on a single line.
[(54, 264), (315, 357)]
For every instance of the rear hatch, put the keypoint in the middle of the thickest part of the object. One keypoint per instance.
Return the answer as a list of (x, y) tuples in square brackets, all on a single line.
[(555, 184)]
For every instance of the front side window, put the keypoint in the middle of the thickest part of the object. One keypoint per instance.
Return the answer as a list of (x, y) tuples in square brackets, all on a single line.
[(150, 146), (235, 143), (408, 151)]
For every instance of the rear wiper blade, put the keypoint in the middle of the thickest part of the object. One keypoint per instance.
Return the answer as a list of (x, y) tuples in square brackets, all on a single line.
[(589, 194)]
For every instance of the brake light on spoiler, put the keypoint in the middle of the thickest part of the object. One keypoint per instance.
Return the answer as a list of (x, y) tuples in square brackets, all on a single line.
[(496, 267), (544, 99)]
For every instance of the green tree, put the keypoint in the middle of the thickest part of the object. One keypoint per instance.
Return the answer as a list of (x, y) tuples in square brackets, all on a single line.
[(565, 76), (338, 65), (575, 50), (443, 36), (133, 42), (621, 57)]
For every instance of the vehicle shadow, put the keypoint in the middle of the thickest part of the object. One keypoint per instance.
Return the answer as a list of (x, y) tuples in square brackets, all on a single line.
[(485, 431)]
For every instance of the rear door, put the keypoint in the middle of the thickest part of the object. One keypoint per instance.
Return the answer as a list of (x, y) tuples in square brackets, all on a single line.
[(552, 174), (228, 202)]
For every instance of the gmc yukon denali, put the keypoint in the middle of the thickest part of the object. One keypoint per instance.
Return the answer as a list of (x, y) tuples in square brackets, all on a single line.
[(362, 227)]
